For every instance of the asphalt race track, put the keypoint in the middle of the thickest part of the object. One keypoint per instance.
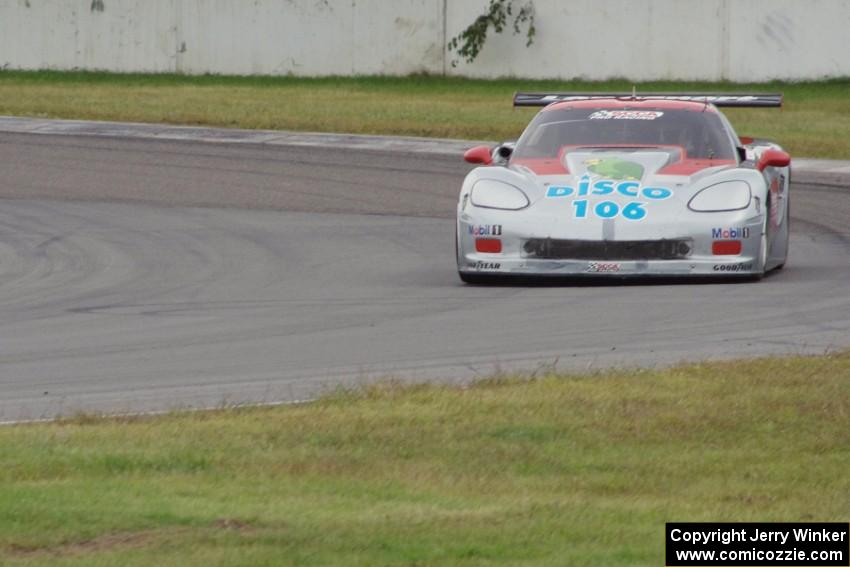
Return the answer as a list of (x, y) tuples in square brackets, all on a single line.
[(148, 275)]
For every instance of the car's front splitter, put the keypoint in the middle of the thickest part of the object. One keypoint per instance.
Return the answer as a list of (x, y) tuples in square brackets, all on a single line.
[(483, 264)]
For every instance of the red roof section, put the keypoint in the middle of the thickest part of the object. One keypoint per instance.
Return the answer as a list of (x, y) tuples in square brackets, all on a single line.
[(638, 104)]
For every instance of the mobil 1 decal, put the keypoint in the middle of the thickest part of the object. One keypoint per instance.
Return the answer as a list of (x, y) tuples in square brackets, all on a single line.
[(618, 196)]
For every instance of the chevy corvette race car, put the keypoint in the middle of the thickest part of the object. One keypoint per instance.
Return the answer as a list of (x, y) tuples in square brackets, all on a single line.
[(625, 185)]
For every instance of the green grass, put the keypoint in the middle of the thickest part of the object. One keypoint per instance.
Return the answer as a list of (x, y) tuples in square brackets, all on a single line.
[(814, 123), (558, 470)]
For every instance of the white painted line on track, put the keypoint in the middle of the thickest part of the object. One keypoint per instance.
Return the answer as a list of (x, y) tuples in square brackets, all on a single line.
[(410, 144), (155, 413)]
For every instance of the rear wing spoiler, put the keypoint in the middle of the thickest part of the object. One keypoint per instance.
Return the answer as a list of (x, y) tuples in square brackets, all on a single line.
[(770, 100)]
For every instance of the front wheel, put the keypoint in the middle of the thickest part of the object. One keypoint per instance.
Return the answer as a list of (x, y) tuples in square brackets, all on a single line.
[(465, 277), (787, 225), (763, 244)]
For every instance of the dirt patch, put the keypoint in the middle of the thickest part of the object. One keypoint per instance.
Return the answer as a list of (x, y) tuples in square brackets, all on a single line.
[(233, 524), (121, 540), (100, 544)]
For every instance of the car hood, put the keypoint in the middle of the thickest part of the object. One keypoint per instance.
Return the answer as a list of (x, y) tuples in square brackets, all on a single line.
[(608, 193), (650, 168)]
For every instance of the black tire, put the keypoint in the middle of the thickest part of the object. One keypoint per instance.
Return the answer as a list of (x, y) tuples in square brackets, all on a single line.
[(765, 240), (470, 278), (787, 233)]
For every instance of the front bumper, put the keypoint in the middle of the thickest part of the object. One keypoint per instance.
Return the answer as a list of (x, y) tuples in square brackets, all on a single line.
[(518, 259)]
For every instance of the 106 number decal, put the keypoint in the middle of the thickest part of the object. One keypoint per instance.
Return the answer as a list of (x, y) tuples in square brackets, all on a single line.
[(635, 210)]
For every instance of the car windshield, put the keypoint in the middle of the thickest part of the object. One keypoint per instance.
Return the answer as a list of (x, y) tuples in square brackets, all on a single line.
[(699, 134)]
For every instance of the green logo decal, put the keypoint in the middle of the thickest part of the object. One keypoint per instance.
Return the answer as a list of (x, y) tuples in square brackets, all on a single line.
[(615, 168)]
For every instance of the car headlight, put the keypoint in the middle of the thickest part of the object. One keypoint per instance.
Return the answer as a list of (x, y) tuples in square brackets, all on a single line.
[(724, 196), (493, 194)]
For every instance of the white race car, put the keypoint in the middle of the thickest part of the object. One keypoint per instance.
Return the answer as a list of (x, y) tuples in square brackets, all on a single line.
[(625, 185)]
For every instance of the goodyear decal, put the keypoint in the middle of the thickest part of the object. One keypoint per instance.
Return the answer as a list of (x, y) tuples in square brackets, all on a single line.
[(740, 267)]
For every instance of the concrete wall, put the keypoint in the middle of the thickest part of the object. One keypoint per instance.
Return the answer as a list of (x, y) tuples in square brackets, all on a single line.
[(739, 40)]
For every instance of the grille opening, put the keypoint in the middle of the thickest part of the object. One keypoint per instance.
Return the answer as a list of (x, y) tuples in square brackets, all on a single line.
[(555, 249)]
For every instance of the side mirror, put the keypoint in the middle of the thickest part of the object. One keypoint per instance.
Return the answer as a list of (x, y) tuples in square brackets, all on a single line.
[(479, 154), (774, 158), (505, 151)]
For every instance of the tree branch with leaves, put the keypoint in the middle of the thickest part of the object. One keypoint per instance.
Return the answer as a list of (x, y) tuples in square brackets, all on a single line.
[(501, 13)]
